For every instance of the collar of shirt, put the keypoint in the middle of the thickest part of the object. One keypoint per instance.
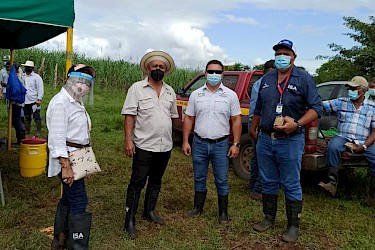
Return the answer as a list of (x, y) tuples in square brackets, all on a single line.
[(65, 93), (221, 87), (164, 87), (28, 75), (294, 72)]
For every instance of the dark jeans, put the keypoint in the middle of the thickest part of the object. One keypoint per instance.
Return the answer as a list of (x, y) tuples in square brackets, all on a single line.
[(255, 181), (148, 164), (75, 197), (28, 110), (17, 123)]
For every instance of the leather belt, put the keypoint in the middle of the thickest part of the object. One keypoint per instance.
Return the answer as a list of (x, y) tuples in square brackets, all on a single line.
[(278, 135), (211, 140), (76, 145)]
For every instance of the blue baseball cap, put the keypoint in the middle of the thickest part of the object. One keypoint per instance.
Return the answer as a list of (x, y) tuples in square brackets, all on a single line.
[(286, 44)]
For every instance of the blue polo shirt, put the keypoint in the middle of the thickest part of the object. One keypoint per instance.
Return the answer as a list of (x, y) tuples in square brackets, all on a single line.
[(299, 96)]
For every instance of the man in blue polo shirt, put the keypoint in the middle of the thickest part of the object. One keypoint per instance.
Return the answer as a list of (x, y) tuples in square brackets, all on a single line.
[(288, 100)]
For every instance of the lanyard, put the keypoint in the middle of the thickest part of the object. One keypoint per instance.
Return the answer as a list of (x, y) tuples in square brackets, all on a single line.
[(281, 91)]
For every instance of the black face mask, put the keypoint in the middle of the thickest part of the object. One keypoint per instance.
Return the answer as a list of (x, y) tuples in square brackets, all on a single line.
[(28, 70), (157, 74)]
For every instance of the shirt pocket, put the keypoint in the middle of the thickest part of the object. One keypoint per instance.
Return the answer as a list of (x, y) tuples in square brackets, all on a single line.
[(202, 106), (167, 101), (222, 106), (368, 118), (146, 104)]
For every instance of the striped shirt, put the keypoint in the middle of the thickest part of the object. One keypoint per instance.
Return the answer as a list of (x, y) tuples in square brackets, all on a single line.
[(67, 120), (353, 124)]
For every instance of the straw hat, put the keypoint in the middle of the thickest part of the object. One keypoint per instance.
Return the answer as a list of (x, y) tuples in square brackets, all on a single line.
[(157, 55), (28, 64)]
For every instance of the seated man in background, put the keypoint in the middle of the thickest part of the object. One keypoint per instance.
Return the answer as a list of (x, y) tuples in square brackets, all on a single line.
[(356, 125)]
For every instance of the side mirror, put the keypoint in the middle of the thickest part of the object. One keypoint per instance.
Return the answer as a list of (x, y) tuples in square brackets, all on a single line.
[(180, 91)]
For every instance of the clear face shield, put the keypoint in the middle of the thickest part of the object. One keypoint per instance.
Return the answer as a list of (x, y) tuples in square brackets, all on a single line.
[(80, 87)]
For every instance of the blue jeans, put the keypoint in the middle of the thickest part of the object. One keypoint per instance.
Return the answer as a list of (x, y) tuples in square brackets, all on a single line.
[(336, 147), (255, 181), (279, 163), (203, 152), (75, 197)]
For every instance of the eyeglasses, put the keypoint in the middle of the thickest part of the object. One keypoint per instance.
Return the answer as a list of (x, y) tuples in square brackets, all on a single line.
[(352, 88), (211, 71)]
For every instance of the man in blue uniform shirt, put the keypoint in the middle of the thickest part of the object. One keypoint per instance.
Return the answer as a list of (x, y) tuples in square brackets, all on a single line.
[(288, 100)]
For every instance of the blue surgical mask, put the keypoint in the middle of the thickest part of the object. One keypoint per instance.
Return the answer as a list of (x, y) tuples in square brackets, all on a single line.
[(213, 79), (282, 62), (353, 94), (371, 92)]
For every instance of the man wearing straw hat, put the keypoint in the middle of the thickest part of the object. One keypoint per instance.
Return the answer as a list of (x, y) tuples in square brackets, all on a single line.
[(149, 108), (33, 99)]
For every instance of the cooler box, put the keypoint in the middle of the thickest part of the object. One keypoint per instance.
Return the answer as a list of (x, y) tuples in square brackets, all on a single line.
[(33, 156)]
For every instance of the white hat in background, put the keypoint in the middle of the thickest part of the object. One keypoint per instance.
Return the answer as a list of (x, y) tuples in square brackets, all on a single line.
[(28, 64)]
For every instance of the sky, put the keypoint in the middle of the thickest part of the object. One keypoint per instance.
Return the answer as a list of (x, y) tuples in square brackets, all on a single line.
[(196, 31)]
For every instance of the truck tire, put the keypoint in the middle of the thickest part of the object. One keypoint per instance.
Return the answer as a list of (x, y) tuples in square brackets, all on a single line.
[(241, 164)]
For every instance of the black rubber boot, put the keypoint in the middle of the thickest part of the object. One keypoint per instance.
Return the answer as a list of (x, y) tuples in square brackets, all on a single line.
[(371, 192), (330, 186), (132, 200), (223, 209), (269, 209), (151, 198), (199, 200), (79, 231), (20, 135), (293, 212), (60, 228)]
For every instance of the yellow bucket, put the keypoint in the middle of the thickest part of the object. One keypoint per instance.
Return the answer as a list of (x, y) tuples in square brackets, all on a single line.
[(33, 157)]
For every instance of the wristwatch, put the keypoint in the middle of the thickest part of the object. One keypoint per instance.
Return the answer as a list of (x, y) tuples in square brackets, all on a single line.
[(364, 147), (237, 144), (299, 126)]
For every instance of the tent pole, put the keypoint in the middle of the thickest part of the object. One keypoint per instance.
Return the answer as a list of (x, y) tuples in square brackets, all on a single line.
[(69, 50), (9, 103)]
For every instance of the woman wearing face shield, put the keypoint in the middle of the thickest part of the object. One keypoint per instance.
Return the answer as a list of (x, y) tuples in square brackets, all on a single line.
[(69, 128)]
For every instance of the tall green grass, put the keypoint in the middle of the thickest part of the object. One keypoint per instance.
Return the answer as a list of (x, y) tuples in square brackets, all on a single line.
[(110, 73)]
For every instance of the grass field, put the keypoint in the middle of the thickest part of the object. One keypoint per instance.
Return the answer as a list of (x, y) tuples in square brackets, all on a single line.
[(341, 223)]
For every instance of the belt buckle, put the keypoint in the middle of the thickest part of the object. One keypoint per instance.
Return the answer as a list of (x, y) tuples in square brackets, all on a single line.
[(273, 135)]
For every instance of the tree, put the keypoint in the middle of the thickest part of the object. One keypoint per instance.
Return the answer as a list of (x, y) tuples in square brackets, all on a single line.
[(258, 67), (358, 60), (236, 67)]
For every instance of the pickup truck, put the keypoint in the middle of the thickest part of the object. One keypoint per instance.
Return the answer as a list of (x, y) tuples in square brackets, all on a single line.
[(241, 82)]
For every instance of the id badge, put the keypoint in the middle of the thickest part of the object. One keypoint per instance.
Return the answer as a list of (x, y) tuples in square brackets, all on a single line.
[(279, 109)]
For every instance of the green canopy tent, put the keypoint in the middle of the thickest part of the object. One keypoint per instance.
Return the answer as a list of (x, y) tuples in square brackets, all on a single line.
[(27, 23)]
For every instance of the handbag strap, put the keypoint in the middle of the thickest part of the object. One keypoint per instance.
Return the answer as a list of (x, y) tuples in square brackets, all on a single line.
[(88, 126)]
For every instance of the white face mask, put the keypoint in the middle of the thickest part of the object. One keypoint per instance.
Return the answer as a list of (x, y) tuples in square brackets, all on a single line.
[(371, 92)]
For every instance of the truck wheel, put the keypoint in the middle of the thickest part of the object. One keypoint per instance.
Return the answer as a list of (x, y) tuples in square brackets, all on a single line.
[(241, 163)]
